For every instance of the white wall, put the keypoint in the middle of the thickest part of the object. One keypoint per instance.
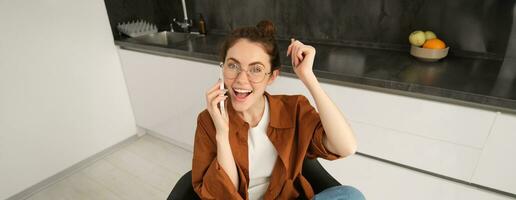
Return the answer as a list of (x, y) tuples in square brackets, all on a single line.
[(62, 92)]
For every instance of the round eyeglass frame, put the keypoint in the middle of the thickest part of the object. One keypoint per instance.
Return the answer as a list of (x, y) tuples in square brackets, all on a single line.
[(221, 65)]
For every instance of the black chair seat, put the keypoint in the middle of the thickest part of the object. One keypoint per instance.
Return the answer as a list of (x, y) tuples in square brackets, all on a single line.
[(313, 171), (183, 189), (317, 176)]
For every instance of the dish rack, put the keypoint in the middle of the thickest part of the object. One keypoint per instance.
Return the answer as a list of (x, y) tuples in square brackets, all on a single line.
[(137, 28)]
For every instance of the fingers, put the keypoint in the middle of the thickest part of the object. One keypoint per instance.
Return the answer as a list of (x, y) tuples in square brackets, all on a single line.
[(290, 46), (213, 93), (291, 51), (213, 108), (295, 50), (215, 96), (215, 102), (215, 86), (299, 53), (218, 119)]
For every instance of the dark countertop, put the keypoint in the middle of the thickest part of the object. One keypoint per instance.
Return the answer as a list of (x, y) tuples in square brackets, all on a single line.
[(483, 83)]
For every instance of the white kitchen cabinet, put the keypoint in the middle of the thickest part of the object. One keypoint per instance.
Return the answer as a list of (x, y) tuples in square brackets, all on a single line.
[(455, 124), (382, 181), (167, 93), (408, 130), (497, 165)]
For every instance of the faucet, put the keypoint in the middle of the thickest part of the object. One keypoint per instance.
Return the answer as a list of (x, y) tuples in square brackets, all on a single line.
[(186, 24)]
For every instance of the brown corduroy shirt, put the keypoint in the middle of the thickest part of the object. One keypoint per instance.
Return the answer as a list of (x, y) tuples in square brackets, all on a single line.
[(295, 130)]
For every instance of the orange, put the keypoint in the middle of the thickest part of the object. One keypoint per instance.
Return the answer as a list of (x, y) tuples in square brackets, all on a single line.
[(434, 44)]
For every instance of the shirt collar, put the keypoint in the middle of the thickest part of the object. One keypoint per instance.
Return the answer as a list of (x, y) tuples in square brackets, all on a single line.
[(279, 116)]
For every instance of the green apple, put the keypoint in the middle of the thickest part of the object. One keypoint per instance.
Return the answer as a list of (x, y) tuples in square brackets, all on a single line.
[(417, 38), (430, 35)]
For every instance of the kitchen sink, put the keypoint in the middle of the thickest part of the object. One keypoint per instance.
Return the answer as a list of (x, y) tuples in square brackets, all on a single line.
[(164, 38)]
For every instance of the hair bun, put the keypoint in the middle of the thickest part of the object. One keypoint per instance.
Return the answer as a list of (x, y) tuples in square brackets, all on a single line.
[(266, 27)]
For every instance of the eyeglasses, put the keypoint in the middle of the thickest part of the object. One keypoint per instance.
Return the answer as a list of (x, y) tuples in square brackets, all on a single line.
[(255, 73)]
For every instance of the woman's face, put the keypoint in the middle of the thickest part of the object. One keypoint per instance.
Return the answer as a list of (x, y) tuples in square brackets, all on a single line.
[(243, 92)]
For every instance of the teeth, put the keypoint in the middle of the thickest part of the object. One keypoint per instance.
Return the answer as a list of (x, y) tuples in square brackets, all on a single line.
[(242, 90)]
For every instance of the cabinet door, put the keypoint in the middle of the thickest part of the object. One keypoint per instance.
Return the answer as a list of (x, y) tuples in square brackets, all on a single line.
[(497, 166), (167, 93), (418, 133), (379, 180), (451, 123)]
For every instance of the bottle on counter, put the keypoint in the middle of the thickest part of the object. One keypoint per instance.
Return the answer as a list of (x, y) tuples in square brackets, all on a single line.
[(202, 26)]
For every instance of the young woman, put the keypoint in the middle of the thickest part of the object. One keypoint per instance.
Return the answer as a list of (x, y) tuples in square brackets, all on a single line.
[(256, 150)]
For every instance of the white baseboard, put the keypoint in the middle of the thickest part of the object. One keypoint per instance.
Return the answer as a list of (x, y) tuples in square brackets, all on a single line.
[(140, 131), (182, 145)]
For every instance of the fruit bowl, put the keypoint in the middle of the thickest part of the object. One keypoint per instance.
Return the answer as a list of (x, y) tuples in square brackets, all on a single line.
[(429, 55)]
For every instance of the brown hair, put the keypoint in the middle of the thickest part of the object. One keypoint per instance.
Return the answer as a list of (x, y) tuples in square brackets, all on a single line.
[(263, 34)]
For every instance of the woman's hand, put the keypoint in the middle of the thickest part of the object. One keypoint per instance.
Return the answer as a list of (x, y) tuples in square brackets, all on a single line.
[(213, 97), (302, 59)]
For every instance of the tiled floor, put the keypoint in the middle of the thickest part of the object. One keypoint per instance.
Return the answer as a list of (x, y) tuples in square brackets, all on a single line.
[(145, 169)]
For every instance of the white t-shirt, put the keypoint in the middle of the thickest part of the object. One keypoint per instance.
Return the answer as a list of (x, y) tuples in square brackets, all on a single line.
[(262, 157)]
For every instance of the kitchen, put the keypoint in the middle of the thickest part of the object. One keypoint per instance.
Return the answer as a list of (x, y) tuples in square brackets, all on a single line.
[(425, 130)]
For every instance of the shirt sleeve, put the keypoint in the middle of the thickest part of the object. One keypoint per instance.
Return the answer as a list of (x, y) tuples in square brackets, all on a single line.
[(310, 124), (209, 179)]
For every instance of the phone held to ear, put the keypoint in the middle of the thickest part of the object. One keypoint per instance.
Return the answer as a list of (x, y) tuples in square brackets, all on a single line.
[(221, 87)]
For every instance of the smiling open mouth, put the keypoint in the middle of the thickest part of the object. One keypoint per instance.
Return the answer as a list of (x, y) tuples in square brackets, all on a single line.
[(241, 94)]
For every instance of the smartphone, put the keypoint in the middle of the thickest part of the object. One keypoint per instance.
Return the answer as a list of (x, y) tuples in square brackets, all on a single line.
[(221, 87)]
